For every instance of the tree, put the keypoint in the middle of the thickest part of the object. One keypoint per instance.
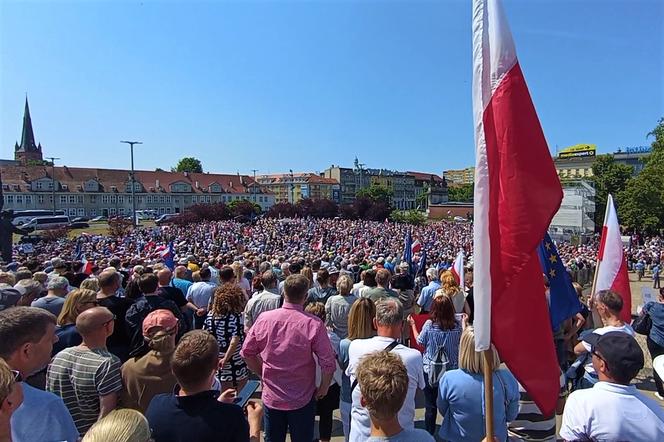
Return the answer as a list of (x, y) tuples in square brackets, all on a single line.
[(282, 210), (376, 193), (609, 177), (188, 164), (641, 205), (244, 209), (460, 193), (408, 216)]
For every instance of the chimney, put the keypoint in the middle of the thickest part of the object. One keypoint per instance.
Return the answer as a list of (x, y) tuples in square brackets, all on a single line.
[(197, 186), (156, 184), (230, 184), (186, 173)]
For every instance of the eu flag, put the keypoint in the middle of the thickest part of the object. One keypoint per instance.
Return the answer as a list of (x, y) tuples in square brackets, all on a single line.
[(563, 300)]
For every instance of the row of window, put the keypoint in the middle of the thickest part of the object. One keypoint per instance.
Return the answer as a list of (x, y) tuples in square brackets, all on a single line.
[(121, 199)]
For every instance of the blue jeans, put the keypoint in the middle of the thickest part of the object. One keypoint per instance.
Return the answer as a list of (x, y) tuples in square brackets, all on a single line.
[(299, 422), (430, 406)]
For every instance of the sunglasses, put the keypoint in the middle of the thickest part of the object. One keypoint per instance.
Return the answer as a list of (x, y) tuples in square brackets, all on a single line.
[(110, 320), (17, 376)]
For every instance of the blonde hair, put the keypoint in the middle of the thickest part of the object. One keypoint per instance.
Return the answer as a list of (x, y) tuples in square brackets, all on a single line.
[(40, 277), (470, 360), (7, 380), (121, 425), (72, 306), (309, 274), (344, 285), (383, 381), (360, 319), (7, 278), (317, 309), (90, 284), (449, 283)]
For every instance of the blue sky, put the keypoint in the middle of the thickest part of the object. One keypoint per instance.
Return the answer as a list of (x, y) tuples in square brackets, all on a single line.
[(275, 85)]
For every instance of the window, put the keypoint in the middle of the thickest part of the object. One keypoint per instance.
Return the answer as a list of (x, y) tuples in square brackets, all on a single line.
[(80, 212), (104, 199), (111, 211), (168, 210), (121, 210), (93, 212), (9, 199), (19, 199), (120, 199), (168, 198), (194, 199), (63, 199), (40, 199), (113, 199), (72, 212), (28, 199), (149, 197), (129, 199), (207, 198), (93, 199), (72, 199), (39, 185), (79, 199), (162, 210)]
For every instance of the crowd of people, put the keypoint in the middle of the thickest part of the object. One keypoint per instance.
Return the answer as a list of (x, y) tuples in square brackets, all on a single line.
[(161, 334)]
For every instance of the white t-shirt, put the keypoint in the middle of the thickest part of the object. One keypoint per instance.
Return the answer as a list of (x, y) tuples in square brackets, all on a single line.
[(360, 428), (625, 328), (609, 412)]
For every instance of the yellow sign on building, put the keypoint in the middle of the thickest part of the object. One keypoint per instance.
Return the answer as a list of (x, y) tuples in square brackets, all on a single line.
[(578, 150)]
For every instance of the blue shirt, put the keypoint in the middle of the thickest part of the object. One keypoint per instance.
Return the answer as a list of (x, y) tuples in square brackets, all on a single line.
[(343, 363), (68, 336), (426, 295), (182, 284), (656, 312), (432, 337), (461, 402), (42, 417)]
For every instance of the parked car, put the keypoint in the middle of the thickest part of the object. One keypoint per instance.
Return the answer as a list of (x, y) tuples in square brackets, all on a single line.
[(165, 219), (79, 225), (79, 219), (45, 223), (99, 219)]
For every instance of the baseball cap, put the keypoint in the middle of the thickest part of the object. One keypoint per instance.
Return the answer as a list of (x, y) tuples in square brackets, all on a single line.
[(620, 351), (159, 318), (332, 270)]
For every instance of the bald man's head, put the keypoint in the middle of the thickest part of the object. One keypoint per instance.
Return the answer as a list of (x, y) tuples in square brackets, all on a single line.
[(164, 276), (180, 271), (92, 320)]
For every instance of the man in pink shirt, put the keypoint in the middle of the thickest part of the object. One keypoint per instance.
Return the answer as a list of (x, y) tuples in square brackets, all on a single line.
[(280, 347)]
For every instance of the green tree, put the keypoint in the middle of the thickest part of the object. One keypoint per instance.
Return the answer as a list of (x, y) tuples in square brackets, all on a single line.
[(188, 164), (377, 193), (408, 216), (641, 205), (609, 177), (461, 193)]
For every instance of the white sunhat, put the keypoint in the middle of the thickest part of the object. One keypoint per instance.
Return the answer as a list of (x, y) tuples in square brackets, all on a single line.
[(658, 365)]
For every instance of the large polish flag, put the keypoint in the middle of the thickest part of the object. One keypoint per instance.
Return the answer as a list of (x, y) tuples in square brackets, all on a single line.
[(517, 192), (612, 270)]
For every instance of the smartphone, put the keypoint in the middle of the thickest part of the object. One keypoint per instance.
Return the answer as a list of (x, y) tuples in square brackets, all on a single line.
[(246, 393)]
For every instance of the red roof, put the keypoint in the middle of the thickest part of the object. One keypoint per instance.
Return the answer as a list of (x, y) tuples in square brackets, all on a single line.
[(426, 176), (74, 177)]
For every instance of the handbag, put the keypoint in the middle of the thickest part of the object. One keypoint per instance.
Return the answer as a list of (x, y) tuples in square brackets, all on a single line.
[(642, 324)]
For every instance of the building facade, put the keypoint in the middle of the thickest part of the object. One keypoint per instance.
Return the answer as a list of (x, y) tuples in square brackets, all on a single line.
[(107, 192), (460, 176), (291, 188), (577, 211)]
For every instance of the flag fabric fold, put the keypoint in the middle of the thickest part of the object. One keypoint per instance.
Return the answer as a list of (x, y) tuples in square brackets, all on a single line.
[(563, 299), (457, 270), (168, 255), (517, 193), (408, 251), (612, 270)]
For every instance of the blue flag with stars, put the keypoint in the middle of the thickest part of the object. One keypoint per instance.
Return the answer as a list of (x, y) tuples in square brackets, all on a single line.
[(563, 300)]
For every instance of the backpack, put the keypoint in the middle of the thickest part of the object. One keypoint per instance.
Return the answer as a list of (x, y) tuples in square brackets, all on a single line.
[(437, 367)]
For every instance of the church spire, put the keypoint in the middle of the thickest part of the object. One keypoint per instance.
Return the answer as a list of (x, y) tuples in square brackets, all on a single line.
[(28, 136), (28, 151)]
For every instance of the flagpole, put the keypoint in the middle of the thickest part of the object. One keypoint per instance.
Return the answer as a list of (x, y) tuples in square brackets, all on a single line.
[(487, 355), (597, 321)]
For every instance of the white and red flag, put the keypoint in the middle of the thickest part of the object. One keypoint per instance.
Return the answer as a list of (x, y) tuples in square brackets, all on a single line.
[(457, 270), (612, 268), (87, 265), (416, 247), (319, 245), (517, 192)]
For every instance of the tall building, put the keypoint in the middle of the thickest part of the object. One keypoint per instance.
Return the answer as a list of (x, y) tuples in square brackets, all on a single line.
[(291, 188), (28, 152), (460, 176), (575, 162)]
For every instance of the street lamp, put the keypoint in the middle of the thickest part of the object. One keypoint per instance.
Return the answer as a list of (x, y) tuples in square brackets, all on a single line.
[(254, 186), (292, 186), (133, 185), (53, 180)]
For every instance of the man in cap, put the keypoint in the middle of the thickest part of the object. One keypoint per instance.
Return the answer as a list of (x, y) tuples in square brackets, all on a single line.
[(613, 409)]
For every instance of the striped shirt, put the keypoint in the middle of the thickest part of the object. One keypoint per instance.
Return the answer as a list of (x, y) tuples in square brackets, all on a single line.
[(432, 337), (80, 377), (530, 424)]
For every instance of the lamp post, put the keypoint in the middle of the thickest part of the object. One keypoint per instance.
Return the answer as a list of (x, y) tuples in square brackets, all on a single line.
[(254, 186), (292, 186), (53, 180), (133, 185)]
